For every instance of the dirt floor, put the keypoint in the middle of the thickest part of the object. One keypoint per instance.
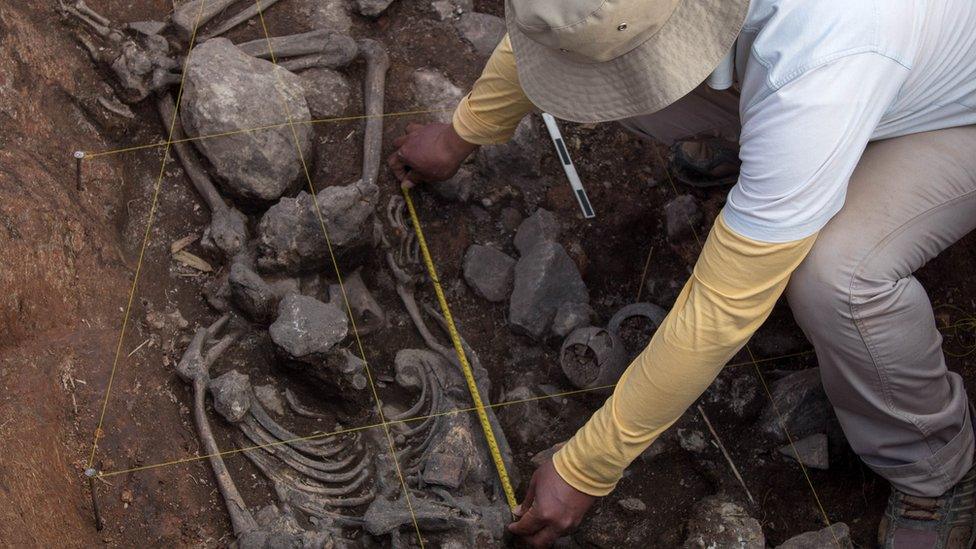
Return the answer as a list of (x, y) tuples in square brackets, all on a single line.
[(67, 259)]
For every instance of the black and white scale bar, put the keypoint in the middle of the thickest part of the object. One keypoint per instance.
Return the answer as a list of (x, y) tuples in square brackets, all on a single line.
[(570, 169)]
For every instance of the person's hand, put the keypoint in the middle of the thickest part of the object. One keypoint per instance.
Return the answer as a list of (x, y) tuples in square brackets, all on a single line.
[(428, 154), (551, 508)]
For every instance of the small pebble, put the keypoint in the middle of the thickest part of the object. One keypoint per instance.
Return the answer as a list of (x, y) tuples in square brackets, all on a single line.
[(633, 504)]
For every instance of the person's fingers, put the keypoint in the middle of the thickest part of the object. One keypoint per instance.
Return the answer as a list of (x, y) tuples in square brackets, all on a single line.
[(407, 182), (528, 524), (400, 140), (413, 127), (397, 166), (529, 493)]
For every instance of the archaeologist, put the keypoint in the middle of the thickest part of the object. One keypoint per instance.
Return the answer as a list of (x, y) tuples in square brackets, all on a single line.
[(855, 122)]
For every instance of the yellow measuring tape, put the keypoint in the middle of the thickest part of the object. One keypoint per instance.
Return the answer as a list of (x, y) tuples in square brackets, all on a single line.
[(496, 454)]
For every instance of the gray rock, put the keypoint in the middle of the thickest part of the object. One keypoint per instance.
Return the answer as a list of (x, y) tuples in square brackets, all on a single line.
[(482, 31), (290, 235), (633, 504), (810, 451), (692, 440), (511, 218), (306, 329), (372, 8), (270, 399), (682, 217), (326, 92), (546, 278), (326, 14), (520, 158), (488, 272), (232, 395), (571, 316), (800, 399), (541, 226), (737, 391), (227, 90), (445, 9), (455, 189), (251, 294), (444, 470), (718, 523), (434, 91), (836, 535), (527, 421)]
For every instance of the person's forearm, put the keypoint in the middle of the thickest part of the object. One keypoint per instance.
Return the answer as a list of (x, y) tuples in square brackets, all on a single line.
[(733, 288), (496, 104)]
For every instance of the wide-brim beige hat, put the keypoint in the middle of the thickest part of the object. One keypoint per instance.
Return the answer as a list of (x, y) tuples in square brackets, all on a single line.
[(588, 65)]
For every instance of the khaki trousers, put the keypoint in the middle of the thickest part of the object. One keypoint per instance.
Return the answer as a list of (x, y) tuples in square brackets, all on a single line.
[(857, 301)]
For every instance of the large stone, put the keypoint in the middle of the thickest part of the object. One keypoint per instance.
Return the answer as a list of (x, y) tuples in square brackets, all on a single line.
[(326, 14), (227, 90), (810, 451), (799, 401), (232, 395), (434, 91), (546, 278), (718, 523), (482, 31), (290, 236), (455, 189), (445, 9), (489, 272), (682, 217), (307, 329), (571, 316), (837, 535), (444, 470), (326, 91), (518, 159), (372, 8), (270, 399), (542, 226), (527, 421)]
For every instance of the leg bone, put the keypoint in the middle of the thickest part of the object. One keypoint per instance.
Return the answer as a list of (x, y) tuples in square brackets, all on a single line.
[(242, 16), (327, 48), (194, 15)]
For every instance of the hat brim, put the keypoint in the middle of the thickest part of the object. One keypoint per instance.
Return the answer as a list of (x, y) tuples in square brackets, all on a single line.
[(650, 77)]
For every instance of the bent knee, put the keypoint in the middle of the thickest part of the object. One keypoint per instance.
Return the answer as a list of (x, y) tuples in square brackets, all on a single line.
[(820, 288)]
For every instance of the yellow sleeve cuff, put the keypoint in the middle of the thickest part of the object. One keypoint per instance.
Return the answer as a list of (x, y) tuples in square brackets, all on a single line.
[(731, 292), (476, 131), (496, 104)]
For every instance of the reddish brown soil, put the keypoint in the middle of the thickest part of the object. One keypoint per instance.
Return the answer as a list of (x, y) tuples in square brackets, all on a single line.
[(68, 258)]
